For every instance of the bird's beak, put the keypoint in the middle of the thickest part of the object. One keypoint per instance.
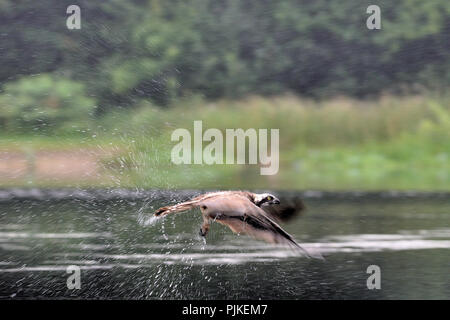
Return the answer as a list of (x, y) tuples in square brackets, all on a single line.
[(276, 201)]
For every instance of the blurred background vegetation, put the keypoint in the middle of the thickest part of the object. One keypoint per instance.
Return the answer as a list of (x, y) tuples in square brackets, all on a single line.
[(356, 108)]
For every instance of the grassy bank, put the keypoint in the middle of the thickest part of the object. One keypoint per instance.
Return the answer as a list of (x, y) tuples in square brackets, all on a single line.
[(342, 144)]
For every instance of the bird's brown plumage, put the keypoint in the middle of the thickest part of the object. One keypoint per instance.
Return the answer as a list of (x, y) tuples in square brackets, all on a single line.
[(236, 210)]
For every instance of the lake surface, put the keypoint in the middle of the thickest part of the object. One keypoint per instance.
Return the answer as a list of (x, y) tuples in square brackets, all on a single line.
[(124, 254)]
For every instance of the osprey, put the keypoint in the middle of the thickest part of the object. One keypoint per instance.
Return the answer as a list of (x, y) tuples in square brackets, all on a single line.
[(243, 212)]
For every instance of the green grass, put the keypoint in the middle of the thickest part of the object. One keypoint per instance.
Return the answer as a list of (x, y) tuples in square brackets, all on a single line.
[(400, 143), (390, 143)]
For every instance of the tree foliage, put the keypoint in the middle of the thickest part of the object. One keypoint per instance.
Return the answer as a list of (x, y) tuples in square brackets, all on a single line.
[(164, 49)]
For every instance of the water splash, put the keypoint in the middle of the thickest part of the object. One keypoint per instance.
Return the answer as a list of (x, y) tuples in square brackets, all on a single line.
[(143, 217), (148, 221)]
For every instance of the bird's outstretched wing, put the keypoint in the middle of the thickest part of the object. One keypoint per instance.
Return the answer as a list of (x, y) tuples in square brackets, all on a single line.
[(242, 216)]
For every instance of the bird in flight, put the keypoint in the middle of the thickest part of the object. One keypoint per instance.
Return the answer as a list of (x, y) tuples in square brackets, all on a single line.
[(243, 212)]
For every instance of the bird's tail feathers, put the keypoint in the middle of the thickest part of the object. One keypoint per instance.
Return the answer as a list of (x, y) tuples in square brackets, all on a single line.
[(184, 206)]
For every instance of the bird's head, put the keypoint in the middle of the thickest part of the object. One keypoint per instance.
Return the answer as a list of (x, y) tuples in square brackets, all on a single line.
[(266, 199)]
